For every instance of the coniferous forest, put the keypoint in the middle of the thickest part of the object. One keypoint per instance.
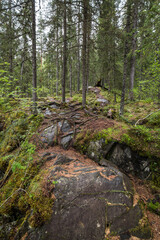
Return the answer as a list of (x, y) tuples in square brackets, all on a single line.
[(70, 45), (79, 119)]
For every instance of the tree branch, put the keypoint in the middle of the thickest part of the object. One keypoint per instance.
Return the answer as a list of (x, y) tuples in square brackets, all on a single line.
[(146, 117)]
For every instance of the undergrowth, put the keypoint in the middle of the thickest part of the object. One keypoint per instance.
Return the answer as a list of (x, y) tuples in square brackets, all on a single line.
[(21, 178)]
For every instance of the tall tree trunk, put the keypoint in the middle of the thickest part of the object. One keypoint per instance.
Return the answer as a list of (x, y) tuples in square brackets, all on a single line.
[(78, 56), (64, 53), (84, 48), (57, 64), (10, 38), (114, 72), (125, 59), (88, 66), (134, 41), (70, 85), (88, 51), (159, 93), (34, 64)]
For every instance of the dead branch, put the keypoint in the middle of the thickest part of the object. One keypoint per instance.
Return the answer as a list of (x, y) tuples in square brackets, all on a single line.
[(146, 117), (18, 190), (89, 113)]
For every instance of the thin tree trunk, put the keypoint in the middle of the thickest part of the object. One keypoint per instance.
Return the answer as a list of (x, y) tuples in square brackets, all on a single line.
[(84, 48), (70, 77), (78, 56), (88, 63), (125, 60), (57, 65), (114, 59), (10, 39), (34, 64), (89, 26), (64, 54), (88, 59), (114, 73), (134, 44), (78, 66)]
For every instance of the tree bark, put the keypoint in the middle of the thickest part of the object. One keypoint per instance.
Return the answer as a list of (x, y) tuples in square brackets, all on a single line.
[(34, 64), (134, 44), (10, 39), (84, 48), (57, 65), (78, 57), (125, 59), (70, 87), (88, 51), (64, 53)]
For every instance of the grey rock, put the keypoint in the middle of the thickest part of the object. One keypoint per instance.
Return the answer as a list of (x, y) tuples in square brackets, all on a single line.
[(95, 148), (48, 112), (107, 148), (105, 163), (89, 199), (48, 135), (121, 155), (62, 160), (129, 161), (66, 126), (65, 141), (54, 106), (102, 101), (63, 113), (127, 221)]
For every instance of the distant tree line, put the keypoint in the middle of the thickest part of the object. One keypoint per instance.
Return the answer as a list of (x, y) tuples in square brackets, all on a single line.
[(55, 47)]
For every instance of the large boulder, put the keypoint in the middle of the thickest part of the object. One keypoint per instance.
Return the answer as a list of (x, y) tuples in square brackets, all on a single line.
[(91, 202), (121, 155)]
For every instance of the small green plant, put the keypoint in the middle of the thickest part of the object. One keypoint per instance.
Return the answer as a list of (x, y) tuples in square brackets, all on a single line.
[(142, 131), (54, 182), (127, 139), (154, 119), (17, 166), (154, 207)]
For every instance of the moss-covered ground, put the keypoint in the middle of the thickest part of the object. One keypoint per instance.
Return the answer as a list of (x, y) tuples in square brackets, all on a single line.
[(22, 191), (21, 177)]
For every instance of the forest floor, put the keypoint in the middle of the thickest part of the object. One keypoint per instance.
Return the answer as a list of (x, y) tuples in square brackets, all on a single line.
[(92, 119), (101, 116)]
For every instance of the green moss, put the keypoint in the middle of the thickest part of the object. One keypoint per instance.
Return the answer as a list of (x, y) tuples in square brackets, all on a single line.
[(22, 186), (143, 139), (154, 119), (83, 139), (154, 207), (39, 199)]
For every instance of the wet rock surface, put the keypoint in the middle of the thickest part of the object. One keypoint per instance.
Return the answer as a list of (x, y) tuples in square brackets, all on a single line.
[(89, 201), (121, 155), (49, 135)]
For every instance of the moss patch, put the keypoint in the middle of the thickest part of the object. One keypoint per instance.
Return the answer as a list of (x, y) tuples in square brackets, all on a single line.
[(24, 192)]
